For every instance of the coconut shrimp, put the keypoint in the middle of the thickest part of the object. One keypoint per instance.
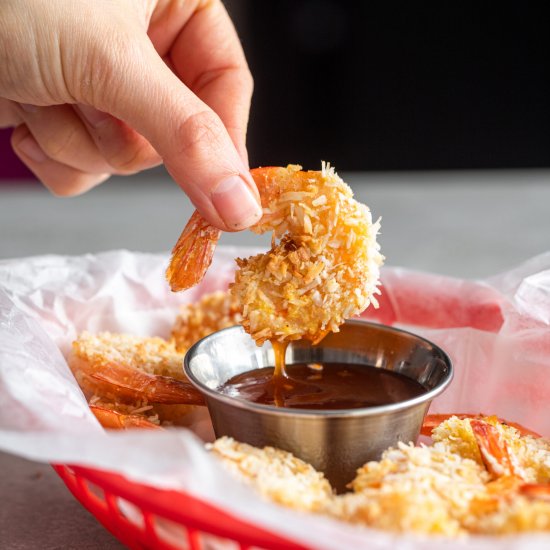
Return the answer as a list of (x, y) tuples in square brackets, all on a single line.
[(515, 450), (322, 268), (138, 382), (131, 369), (479, 477), (412, 489), (277, 475), (517, 496)]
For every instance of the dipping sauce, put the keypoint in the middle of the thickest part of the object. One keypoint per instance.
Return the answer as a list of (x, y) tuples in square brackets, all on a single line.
[(323, 386)]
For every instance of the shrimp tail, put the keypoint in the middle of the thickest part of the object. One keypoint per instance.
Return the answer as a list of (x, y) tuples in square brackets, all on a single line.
[(495, 452), (192, 254), (114, 420), (134, 384)]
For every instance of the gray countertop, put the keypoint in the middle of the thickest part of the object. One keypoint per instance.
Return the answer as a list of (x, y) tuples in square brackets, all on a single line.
[(464, 224)]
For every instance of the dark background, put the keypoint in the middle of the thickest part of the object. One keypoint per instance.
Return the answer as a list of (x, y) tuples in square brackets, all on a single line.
[(394, 86), (397, 86)]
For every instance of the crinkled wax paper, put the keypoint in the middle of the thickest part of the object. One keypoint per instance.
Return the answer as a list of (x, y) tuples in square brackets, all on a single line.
[(497, 333)]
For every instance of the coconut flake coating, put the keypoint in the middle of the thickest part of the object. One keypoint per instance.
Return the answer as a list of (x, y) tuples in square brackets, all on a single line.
[(324, 263)]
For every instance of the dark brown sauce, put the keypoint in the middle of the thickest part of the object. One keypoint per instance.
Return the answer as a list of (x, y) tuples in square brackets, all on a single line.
[(327, 386)]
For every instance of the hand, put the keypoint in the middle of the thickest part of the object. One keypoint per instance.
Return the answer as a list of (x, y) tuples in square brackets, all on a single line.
[(115, 87)]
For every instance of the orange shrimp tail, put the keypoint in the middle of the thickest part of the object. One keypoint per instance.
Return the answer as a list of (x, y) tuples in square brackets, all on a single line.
[(193, 253), (432, 421), (536, 491), (130, 383), (494, 450), (113, 420)]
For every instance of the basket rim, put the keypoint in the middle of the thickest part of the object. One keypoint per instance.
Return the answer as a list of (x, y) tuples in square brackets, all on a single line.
[(179, 507)]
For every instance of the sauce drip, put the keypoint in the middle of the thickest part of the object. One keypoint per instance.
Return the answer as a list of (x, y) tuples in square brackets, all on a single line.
[(322, 386), (279, 349), (279, 372)]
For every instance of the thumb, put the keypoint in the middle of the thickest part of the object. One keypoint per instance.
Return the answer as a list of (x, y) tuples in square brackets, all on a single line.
[(191, 138)]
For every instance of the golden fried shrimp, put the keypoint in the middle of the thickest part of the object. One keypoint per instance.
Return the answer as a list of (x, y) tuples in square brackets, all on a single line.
[(277, 475), (129, 369), (324, 269), (516, 498), (412, 489), (212, 312), (323, 266), (500, 448), (480, 476)]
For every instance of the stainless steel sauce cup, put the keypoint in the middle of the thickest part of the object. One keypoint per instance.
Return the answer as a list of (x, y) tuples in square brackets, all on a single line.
[(336, 442)]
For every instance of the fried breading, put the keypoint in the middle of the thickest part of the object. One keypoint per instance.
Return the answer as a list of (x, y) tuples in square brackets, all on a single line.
[(212, 312), (324, 263), (277, 475), (150, 354), (418, 489)]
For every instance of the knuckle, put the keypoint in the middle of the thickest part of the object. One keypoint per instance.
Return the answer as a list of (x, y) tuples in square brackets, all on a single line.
[(134, 155), (106, 62), (62, 143), (126, 160), (201, 132)]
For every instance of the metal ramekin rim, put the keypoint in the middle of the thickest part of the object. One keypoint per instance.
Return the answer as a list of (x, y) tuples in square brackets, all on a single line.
[(315, 413)]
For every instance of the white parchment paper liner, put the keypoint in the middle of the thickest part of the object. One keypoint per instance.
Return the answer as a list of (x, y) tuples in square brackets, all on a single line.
[(497, 332)]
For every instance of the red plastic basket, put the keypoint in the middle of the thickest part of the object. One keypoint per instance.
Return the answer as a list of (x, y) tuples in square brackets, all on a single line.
[(138, 515), (142, 516)]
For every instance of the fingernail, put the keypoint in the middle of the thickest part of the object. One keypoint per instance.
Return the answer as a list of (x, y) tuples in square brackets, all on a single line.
[(92, 115), (235, 203), (249, 180), (28, 108), (30, 148)]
